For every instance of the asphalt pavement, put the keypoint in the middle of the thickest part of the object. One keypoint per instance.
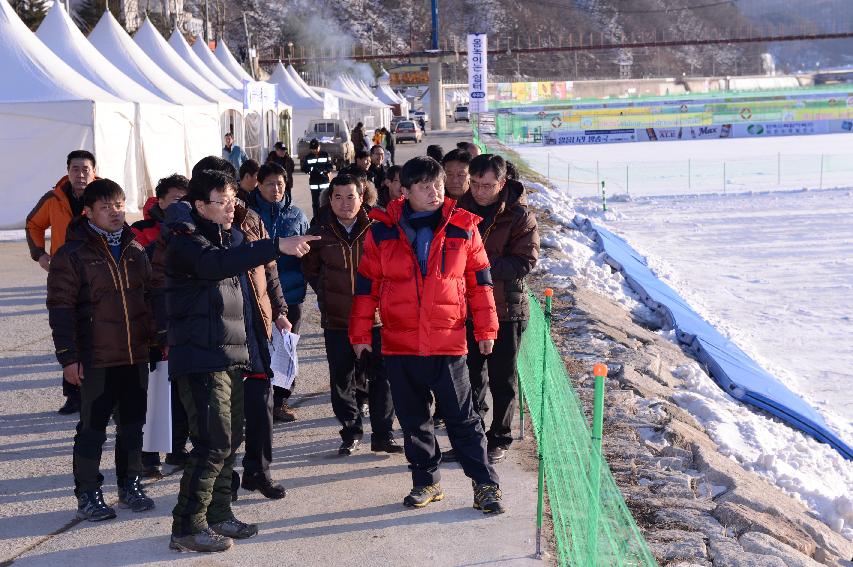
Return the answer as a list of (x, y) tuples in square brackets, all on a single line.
[(338, 510)]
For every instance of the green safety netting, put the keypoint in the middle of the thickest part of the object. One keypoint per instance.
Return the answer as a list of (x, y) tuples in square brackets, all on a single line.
[(592, 524)]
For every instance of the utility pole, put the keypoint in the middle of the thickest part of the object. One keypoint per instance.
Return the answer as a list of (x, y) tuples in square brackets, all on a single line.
[(249, 46), (206, 23)]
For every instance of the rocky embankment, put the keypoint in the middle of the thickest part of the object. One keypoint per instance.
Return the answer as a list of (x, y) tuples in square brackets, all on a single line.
[(695, 506)]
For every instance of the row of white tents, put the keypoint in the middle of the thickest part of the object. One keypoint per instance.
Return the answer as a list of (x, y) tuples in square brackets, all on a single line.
[(146, 107)]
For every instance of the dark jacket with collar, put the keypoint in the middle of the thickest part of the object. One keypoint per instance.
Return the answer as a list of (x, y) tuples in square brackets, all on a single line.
[(511, 239), (98, 308), (331, 266), (204, 301)]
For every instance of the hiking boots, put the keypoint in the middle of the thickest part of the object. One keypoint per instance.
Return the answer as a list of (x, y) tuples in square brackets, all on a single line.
[(283, 413), (71, 405), (420, 496), (385, 446), (206, 541), (91, 506), (234, 528), (487, 497), (496, 454), (176, 461), (349, 447), (264, 485), (131, 495)]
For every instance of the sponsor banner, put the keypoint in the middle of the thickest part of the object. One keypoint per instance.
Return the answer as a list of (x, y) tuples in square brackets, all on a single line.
[(684, 133), (756, 129), (542, 91), (561, 138), (478, 73), (409, 75)]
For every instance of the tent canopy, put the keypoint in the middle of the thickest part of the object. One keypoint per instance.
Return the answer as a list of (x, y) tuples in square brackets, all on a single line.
[(48, 109), (207, 57), (309, 90), (114, 43), (230, 63), (157, 48), (185, 52), (290, 92)]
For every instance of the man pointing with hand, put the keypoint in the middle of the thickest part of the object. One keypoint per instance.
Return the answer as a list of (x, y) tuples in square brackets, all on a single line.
[(424, 266)]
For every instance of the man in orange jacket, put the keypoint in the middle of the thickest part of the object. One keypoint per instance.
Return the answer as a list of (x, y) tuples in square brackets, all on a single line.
[(424, 266), (55, 210)]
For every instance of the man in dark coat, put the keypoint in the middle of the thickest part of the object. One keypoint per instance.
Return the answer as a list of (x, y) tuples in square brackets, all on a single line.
[(511, 237), (98, 289), (205, 260)]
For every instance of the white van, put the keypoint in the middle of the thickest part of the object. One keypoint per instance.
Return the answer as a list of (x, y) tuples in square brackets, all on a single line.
[(461, 113)]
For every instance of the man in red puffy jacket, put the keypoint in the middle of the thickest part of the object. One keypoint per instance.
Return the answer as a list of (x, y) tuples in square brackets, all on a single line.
[(424, 266)]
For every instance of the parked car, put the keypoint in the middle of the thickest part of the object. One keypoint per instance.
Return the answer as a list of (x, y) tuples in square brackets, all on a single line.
[(408, 130), (334, 137), (461, 113)]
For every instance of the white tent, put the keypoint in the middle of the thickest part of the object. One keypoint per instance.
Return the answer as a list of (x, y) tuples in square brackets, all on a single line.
[(47, 110), (207, 57), (224, 56), (158, 49), (301, 82), (158, 123), (185, 52), (201, 118), (305, 108)]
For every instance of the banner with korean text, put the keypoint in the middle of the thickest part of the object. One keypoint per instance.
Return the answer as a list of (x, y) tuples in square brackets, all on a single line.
[(477, 73)]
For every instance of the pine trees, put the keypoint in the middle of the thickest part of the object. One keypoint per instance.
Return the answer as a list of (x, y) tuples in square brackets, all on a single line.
[(32, 12)]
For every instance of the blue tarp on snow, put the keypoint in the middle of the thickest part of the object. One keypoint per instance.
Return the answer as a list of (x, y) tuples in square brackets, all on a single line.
[(730, 367)]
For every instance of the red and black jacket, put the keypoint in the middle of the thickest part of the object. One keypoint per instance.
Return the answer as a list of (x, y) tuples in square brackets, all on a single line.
[(423, 315)]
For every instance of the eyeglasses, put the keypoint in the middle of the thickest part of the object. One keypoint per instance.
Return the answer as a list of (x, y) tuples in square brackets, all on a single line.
[(485, 186), (226, 202)]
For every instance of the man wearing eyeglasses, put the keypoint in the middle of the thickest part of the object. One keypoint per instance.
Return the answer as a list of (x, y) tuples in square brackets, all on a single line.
[(206, 259), (511, 237)]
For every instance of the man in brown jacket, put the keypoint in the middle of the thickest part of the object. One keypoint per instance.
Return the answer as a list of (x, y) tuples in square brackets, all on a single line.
[(97, 300), (330, 269), (54, 211), (511, 238)]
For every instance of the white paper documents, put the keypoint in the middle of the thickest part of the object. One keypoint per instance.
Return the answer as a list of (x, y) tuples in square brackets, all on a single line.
[(157, 431), (285, 364)]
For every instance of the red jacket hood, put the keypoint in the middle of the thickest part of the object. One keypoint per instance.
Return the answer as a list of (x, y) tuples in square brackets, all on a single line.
[(146, 209)]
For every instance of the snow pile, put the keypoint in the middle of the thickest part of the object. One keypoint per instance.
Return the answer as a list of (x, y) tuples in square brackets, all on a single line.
[(810, 471)]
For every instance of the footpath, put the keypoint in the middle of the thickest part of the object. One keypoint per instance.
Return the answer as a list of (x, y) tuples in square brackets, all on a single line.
[(338, 510)]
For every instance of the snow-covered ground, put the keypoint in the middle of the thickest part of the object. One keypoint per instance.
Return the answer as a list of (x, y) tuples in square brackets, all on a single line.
[(697, 166), (773, 272)]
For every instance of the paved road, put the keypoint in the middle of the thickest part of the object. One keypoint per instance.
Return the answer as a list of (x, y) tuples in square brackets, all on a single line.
[(338, 511)]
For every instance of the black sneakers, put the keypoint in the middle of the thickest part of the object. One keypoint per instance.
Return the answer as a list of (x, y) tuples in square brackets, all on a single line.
[(91, 506), (496, 454), (206, 541), (71, 405), (388, 445), (263, 485), (175, 461), (420, 496), (487, 497), (349, 447), (131, 495), (235, 529)]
